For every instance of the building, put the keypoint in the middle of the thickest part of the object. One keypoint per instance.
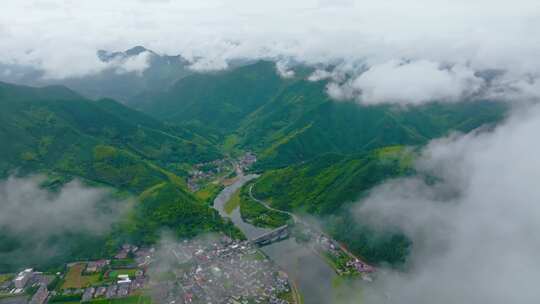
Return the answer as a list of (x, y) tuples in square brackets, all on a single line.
[(111, 291), (96, 266), (100, 291), (40, 297), (123, 280), (88, 294), (22, 278)]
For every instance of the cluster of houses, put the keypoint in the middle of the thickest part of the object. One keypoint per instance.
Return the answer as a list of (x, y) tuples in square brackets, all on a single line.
[(247, 160), (25, 279), (108, 287), (352, 264), (223, 271), (206, 171), (124, 285)]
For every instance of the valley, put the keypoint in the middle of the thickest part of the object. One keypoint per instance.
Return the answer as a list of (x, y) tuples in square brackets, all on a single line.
[(234, 154)]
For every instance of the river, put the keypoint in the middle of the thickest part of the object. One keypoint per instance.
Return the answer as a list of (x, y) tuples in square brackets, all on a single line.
[(310, 273)]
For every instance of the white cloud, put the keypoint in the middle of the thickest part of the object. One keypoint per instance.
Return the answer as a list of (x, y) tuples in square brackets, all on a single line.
[(28, 209), (62, 36), (284, 70), (319, 75), (132, 64), (413, 82), (473, 232)]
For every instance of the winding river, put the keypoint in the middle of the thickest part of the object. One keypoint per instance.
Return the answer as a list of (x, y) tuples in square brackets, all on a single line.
[(310, 273)]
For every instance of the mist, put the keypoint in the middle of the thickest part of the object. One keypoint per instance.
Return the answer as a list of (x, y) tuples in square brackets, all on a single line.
[(472, 214), (38, 225)]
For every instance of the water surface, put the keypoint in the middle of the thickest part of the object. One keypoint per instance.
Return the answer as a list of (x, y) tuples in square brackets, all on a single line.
[(309, 272)]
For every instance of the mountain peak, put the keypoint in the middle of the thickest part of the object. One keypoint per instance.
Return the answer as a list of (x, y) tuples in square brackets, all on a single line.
[(134, 51), (106, 56)]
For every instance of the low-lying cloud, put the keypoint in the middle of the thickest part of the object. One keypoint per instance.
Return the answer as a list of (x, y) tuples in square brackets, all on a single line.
[(26, 208), (42, 228), (474, 230), (408, 83)]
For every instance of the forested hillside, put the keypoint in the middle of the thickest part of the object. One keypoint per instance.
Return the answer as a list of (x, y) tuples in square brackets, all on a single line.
[(287, 121), (325, 185), (55, 132)]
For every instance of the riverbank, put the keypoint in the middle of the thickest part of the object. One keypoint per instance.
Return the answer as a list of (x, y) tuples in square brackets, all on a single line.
[(331, 251), (310, 275)]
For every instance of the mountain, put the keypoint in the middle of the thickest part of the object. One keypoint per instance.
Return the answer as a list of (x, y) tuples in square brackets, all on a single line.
[(218, 100), (288, 121), (53, 128), (127, 74), (323, 184), (55, 132)]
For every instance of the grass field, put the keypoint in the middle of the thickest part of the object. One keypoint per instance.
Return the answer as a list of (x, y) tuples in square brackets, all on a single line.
[(75, 279), (138, 299), (209, 192), (232, 203), (5, 277)]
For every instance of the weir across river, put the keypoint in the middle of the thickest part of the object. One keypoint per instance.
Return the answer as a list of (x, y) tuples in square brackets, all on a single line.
[(270, 237)]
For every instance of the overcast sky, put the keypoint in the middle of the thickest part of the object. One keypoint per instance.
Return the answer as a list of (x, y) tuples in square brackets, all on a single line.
[(63, 36)]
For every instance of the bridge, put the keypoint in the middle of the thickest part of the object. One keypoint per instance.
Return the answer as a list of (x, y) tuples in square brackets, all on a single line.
[(270, 237)]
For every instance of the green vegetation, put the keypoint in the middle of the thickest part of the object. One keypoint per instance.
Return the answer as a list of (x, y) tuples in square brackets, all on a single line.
[(326, 185), (75, 279), (73, 298), (122, 263), (55, 284), (288, 121), (317, 155), (167, 206), (257, 214), (5, 277), (58, 133), (209, 193), (232, 203)]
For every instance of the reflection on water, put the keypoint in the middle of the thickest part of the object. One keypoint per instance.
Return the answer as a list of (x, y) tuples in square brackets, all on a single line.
[(310, 273)]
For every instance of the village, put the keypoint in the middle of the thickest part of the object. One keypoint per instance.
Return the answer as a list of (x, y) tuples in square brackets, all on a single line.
[(123, 277), (341, 260), (222, 168), (223, 271)]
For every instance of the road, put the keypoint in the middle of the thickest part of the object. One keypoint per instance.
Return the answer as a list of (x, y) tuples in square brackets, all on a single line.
[(296, 219), (292, 215)]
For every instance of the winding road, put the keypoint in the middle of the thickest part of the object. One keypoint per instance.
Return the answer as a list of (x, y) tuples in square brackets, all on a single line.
[(296, 219)]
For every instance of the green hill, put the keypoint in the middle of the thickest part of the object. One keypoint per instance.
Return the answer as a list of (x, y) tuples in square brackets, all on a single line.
[(324, 184), (55, 129), (327, 184), (219, 100), (56, 132)]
